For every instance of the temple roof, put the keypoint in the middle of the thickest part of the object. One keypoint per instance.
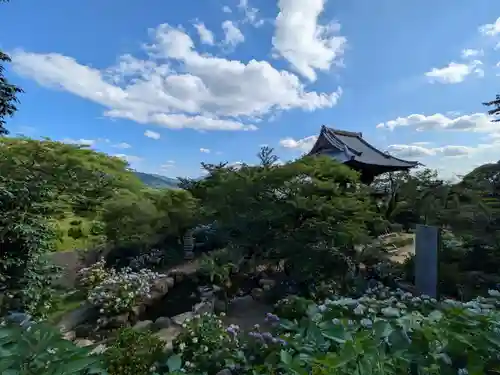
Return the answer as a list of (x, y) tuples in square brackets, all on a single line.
[(348, 146)]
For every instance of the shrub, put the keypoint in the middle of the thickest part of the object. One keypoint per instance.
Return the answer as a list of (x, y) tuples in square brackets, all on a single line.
[(134, 353), (292, 307), (90, 277), (41, 350), (205, 345), (121, 291)]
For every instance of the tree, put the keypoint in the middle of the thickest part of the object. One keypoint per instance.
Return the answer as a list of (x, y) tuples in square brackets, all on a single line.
[(310, 212), (8, 95), (495, 111)]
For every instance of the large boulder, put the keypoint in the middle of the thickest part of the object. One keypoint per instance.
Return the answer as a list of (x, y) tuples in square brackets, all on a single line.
[(162, 322), (81, 315), (168, 335), (182, 318), (143, 325)]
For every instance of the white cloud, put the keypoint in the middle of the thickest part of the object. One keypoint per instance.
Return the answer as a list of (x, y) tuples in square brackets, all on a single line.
[(207, 92), (151, 134), (206, 36), (455, 72), (205, 150), (491, 29), (251, 14), (417, 151), (82, 142), (129, 158), (477, 122), (444, 159), (233, 35), (304, 144), (470, 52), (299, 38), (226, 9), (169, 164), (122, 145)]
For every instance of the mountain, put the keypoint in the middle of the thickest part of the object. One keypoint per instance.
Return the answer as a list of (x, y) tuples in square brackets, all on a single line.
[(158, 181)]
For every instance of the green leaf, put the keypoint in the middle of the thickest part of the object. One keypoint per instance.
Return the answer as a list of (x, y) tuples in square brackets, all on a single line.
[(286, 357), (174, 363)]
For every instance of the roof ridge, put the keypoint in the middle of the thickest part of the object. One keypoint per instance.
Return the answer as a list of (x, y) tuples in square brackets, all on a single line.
[(346, 133)]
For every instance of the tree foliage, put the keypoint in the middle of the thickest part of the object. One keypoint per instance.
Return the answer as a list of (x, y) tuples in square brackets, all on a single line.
[(495, 110), (308, 212), (8, 95)]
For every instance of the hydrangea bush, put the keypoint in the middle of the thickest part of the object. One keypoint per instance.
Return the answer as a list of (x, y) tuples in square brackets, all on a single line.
[(383, 332), (90, 277), (122, 290)]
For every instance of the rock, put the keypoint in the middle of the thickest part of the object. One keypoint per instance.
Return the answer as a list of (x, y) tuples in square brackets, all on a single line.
[(181, 318), (137, 310), (99, 349), (241, 304), (177, 275), (70, 335), (170, 282), (81, 315), (143, 325), (84, 330), (267, 288), (118, 321), (205, 307), (162, 322), (267, 282), (219, 306), (225, 371), (160, 286), (257, 294), (168, 335), (83, 342)]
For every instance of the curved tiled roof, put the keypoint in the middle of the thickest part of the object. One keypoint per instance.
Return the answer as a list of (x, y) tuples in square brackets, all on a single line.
[(356, 148)]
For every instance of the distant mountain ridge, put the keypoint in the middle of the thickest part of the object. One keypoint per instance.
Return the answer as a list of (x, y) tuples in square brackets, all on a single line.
[(158, 181)]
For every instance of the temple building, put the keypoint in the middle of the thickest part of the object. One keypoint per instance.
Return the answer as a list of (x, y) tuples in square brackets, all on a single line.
[(351, 149)]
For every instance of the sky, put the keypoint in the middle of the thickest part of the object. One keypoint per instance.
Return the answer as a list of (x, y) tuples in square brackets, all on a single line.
[(169, 84)]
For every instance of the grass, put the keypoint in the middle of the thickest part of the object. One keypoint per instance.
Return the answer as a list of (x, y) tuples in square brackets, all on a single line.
[(79, 224)]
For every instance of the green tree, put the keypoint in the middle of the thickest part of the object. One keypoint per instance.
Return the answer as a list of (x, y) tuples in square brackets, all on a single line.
[(8, 94), (310, 212), (495, 111)]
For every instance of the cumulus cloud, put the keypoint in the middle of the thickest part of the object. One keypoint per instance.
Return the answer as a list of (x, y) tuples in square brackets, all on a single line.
[(251, 14), (491, 29), (203, 92), (418, 150), (169, 164), (151, 134), (226, 9), (129, 158), (81, 141), (307, 45), (455, 72), (477, 122), (205, 150), (444, 159), (206, 36), (122, 145), (303, 144), (232, 35), (470, 52)]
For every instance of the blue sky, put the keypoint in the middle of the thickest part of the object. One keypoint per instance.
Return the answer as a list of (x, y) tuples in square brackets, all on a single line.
[(168, 84)]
